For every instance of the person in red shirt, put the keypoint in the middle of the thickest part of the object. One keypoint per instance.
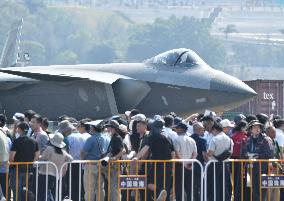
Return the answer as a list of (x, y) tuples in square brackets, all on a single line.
[(239, 138)]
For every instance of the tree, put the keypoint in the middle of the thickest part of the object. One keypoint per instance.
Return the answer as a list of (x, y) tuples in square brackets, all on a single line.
[(67, 57), (148, 40), (230, 28), (101, 53)]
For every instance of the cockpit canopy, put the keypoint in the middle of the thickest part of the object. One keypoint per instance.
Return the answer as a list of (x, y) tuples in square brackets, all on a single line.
[(177, 57)]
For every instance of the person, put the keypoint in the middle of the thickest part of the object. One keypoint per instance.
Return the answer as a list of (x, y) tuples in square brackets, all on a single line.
[(185, 148), (276, 167), (259, 146), (5, 143), (227, 126), (198, 132), (115, 151), (94, 149), (76, 143), (24, 149), (208, 122), (279, 137), (143, 137), (56, 154), (45, 125), (28, 114), (40, 135), (84, 128), (168, 130), (161, 148), (218, 145), (17, 117), (239, 138)]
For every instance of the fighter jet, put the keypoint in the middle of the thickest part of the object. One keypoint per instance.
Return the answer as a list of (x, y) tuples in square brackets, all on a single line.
[(177, 80)]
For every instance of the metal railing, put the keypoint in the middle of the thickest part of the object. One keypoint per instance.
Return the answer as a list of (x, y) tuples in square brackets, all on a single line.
[(31, 181), (124, 179), (240, 180)]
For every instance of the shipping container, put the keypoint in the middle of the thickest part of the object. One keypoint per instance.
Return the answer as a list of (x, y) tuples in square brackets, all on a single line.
[(269, 99)]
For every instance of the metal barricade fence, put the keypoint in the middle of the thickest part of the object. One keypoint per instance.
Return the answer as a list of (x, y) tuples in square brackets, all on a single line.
[(126, 180), (31, 181), (243, 180)]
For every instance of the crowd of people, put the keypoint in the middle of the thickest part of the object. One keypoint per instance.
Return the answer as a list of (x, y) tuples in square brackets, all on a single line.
[(135, 137)]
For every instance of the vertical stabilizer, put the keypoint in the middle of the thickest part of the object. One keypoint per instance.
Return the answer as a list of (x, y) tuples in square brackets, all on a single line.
[(10, 51)]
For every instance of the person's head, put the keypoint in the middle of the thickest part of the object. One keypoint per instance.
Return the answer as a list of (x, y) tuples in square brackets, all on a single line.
[(83, 127), (227, 125), (241, 126), (22, 128), (57, 142), (181, 128), (141, 127), (238, 118), (63, 117), (28, 115), (262, 118), (65, 127), (45, 124), (271, 132), (3, 120), (169, 121), (36, 122), (279, 124), (198, 128), (255, 128), (208, 122), (217, 128), (250, 118), (17, 117), (157, 126), (123, 130), (113, 127), (95, 126)]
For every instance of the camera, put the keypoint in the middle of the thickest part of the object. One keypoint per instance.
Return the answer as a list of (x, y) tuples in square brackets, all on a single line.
[(104, 161)]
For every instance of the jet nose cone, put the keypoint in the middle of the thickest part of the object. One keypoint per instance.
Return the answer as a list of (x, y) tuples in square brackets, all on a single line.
[(226, 83)]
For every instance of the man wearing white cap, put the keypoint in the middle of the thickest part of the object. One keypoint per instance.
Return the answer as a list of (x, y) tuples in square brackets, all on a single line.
[(227, 125)]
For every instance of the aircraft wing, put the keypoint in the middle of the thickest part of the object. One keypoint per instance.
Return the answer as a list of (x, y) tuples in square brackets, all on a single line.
[(63, 74)]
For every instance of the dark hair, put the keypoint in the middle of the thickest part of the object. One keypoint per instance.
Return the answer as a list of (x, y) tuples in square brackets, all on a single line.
[(262, 118), (217, 126), (38, 118), (57, 149), (63, 117), (45, 122), (29, 114), (24, 127), (199, 117), (278, 123), (83, 122), (3, 120), (250, 118), (134, 112), (240, 125), (169, 120), (276, 117)]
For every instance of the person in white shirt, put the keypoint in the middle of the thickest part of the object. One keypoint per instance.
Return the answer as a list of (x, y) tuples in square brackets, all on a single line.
[(185, 148), (219, 143), (279, 128), (168, 130)]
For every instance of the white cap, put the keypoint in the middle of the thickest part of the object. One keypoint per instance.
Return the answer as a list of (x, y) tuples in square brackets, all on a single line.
[(94, 123), (18, 115), (139, 117), (226, 123)]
